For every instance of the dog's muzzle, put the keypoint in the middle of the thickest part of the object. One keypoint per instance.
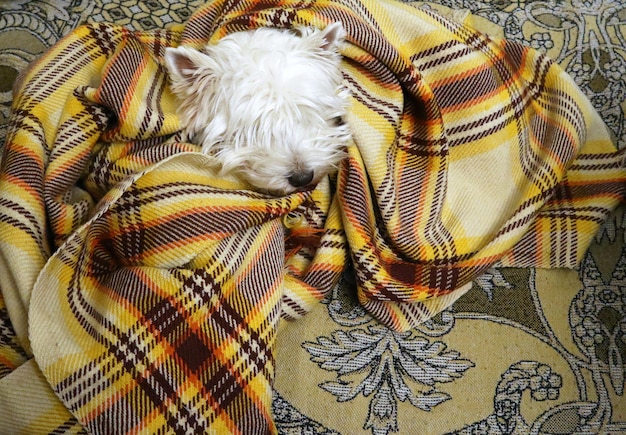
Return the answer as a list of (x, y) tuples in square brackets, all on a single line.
[(300, 179)]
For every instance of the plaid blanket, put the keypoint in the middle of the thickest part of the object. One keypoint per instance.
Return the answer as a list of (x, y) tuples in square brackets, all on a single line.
[(145, 291)]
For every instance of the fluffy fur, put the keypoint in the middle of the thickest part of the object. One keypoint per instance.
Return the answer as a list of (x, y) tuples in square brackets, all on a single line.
[(268, 104)]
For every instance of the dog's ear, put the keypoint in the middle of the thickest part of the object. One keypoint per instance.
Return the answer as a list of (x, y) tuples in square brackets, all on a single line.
[(333, 35), (183, 63)]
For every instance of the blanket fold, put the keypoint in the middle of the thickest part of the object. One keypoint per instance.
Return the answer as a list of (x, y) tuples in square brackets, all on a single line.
[(148, 289)]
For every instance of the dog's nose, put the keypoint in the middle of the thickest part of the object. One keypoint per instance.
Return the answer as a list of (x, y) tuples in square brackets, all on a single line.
[(300, 179)]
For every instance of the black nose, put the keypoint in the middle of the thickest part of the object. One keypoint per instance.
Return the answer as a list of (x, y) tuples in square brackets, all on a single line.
[(300, 179)]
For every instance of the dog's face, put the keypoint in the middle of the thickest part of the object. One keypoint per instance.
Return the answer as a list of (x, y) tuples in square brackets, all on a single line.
[(268, 104)]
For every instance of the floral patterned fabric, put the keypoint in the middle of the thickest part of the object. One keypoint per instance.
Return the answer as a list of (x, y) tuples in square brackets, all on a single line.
[(525, 351)]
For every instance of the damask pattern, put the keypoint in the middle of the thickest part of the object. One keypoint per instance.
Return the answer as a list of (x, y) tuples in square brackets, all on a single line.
[(397, 367), (379, 362), (525, 351), (143, 15)]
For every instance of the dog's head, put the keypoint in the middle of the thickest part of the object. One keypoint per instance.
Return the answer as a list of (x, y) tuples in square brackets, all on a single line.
[(268, 104)]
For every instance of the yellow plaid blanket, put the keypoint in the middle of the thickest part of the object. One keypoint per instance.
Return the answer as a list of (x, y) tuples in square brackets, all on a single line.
[(145, 292)]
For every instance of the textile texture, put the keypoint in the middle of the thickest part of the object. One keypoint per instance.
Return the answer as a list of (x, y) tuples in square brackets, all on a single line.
[(142, 292)]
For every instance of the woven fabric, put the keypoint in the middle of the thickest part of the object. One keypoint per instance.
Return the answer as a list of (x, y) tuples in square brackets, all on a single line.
[(148, 289)]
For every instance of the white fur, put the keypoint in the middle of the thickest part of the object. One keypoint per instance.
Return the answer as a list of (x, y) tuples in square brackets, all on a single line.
[(268, 104)]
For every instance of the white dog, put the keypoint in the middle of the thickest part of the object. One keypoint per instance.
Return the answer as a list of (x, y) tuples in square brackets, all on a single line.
[(268, 104)]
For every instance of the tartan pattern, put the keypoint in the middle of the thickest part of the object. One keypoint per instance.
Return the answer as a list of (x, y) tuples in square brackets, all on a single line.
[(158, 319), (149, 290), (198, 347)]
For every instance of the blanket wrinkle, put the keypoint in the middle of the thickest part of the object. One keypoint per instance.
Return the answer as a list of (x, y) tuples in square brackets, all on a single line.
[(145, 289)]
